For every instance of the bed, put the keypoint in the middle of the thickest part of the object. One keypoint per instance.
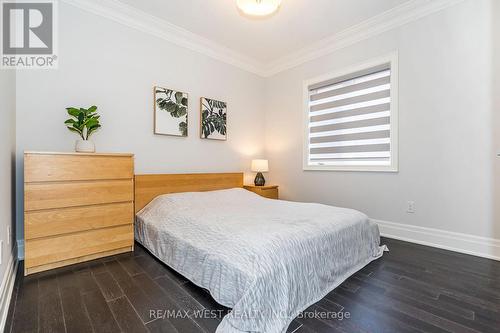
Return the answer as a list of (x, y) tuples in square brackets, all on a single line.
[(266, 259)]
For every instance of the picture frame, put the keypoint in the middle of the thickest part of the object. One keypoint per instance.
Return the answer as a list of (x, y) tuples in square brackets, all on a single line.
[(213, 119), (171, 108)]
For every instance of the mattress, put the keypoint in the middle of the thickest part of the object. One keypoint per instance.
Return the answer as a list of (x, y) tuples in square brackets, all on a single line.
[(266, 259)]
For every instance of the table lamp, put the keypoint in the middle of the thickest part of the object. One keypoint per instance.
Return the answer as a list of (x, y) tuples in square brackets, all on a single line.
[(260, 166)]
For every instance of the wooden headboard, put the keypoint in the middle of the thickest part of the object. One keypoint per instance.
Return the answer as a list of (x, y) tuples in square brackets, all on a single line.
[(148, 187)]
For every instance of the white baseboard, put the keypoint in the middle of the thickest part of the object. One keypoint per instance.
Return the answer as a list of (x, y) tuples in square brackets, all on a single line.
[(447, 240), (6, 289), (20, 249)]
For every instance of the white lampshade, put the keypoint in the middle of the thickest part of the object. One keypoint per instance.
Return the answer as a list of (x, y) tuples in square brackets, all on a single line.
[(260, 166), (258, 7)]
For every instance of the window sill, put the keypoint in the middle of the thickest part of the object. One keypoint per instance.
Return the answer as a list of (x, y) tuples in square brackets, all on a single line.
[(389, 169)]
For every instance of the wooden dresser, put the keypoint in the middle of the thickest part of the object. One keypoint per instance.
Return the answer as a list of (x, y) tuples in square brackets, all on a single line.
[(77, 207), (269, 191)]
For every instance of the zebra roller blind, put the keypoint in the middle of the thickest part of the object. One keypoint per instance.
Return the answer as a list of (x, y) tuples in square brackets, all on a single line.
[(350, 120)]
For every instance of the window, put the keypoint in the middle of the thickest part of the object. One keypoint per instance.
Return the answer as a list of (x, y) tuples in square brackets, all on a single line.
[(351, 119)]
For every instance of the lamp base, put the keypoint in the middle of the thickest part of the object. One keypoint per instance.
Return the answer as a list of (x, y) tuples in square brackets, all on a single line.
[(259, 179)]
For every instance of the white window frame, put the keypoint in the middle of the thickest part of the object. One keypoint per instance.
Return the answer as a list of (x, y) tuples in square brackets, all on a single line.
[(392, 60)]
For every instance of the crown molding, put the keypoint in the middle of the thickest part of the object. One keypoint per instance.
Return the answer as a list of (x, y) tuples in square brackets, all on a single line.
[(137, 19), (391, 19)]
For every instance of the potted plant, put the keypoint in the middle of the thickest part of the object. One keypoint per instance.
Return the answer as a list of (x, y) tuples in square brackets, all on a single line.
[(84, 122)]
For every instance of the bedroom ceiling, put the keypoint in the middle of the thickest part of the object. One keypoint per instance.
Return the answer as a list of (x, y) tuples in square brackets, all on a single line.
[(297, 24)]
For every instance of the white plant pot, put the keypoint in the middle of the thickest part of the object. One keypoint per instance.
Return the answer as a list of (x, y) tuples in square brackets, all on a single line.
[(84, 146)]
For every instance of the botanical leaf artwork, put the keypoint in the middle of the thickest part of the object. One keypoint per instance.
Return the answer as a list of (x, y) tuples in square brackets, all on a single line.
[(171, 109), (213, 119), (83, 121)]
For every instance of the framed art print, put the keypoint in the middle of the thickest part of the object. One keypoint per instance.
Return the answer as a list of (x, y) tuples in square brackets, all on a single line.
[(213, 123), (170, 112)]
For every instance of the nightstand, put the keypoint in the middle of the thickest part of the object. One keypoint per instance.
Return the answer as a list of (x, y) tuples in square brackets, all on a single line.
[(270, 191)]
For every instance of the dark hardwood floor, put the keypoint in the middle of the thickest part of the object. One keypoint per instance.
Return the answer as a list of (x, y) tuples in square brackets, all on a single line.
[(412, 288)]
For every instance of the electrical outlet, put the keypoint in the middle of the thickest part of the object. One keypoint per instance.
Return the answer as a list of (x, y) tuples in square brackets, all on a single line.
[(411, 207)]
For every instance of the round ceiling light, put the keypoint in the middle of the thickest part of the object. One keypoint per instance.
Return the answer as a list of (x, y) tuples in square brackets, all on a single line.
[(258, 7)]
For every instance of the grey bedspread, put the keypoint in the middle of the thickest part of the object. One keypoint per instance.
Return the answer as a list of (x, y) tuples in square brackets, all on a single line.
[(266, 259)]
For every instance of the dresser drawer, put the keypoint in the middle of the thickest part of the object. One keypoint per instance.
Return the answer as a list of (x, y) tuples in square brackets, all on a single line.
[(55, 249), (44, 168), (67, 220), (60, 195), (271, 193)]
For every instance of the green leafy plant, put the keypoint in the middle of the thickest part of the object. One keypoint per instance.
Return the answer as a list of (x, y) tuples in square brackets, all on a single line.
[(213, 117), (174, 103), (183, 128), (83, 121)]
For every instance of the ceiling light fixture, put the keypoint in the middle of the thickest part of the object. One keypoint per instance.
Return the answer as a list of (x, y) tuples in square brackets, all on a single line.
[(258, 7)]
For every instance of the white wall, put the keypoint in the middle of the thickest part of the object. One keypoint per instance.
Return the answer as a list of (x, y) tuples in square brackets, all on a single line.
[(115, 67), (445, 111), (7, 158), (495, 17)]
